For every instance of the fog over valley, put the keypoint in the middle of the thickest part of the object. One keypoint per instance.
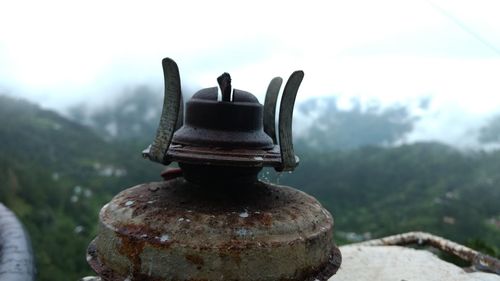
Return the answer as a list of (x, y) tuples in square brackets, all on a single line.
[(443, 54)]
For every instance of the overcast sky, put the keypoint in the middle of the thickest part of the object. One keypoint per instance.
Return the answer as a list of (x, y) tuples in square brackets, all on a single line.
[(58, 53)]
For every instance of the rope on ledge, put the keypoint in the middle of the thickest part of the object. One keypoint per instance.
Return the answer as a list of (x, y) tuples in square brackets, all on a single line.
[(478, 260)]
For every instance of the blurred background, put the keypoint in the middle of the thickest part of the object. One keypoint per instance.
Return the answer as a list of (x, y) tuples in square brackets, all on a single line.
[(397, 122)]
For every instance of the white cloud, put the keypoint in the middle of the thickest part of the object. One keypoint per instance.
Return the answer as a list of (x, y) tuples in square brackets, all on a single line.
[(60, 52)]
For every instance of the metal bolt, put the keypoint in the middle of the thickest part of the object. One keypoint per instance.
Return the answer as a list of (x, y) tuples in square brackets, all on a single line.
[(225, 86)]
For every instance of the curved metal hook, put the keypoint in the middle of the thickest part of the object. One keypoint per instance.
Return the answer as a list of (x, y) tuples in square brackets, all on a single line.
[(288, 159), (180, 117), (172, 104), (272, 93)]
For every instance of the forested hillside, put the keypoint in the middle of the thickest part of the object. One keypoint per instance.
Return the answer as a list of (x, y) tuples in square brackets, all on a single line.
[(55, 174), (331, 128), (374, 191)]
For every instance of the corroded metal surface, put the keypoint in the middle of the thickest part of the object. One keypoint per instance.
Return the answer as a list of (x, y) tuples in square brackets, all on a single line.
[(172, 111), (225, 86), (238, 121), (176, 230), (288, 159), (213, 220), (270, 103), (235, 123), (16, 256), (241, 157)]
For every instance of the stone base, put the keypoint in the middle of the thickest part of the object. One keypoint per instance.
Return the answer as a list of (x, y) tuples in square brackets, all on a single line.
[(380, 263)]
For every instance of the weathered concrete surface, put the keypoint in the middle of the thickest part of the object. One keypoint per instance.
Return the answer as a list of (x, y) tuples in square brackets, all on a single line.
[(377, 263), (16, 257), (477, 260)]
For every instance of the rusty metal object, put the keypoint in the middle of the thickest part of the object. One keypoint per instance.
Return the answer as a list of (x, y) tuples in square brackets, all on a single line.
[(16, 255), (225, 86), (234, 122), (171, 113), (270, 102), (213, 219), (479, 261), (176, 230), (171, 173), (241, 157), (288, 159)]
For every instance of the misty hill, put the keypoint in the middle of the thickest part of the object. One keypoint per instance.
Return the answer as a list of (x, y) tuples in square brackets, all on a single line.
[(55, 174), (319, 123), (132, 115), (40, 137), (328, 128), (490, 134), (426, 186)]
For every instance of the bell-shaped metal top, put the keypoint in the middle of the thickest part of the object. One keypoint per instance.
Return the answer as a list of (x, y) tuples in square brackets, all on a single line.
[(235, 123), (231, 130)]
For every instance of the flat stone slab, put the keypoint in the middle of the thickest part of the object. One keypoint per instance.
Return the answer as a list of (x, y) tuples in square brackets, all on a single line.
[(395, 263)]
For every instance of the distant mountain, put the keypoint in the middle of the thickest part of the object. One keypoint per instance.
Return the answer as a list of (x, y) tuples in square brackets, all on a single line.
[(490, 133), (324, 126), (134, 114), (319, 122), (377, 191), (56, 174), (41, 137)]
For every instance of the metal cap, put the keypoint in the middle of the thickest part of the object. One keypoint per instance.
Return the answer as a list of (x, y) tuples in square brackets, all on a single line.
[(234, 130), (236, 123)]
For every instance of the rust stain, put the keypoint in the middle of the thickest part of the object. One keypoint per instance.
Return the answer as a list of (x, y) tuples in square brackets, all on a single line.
[(132, 247), (176, 214), (265, 218), (195, 259), (231, 254)]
